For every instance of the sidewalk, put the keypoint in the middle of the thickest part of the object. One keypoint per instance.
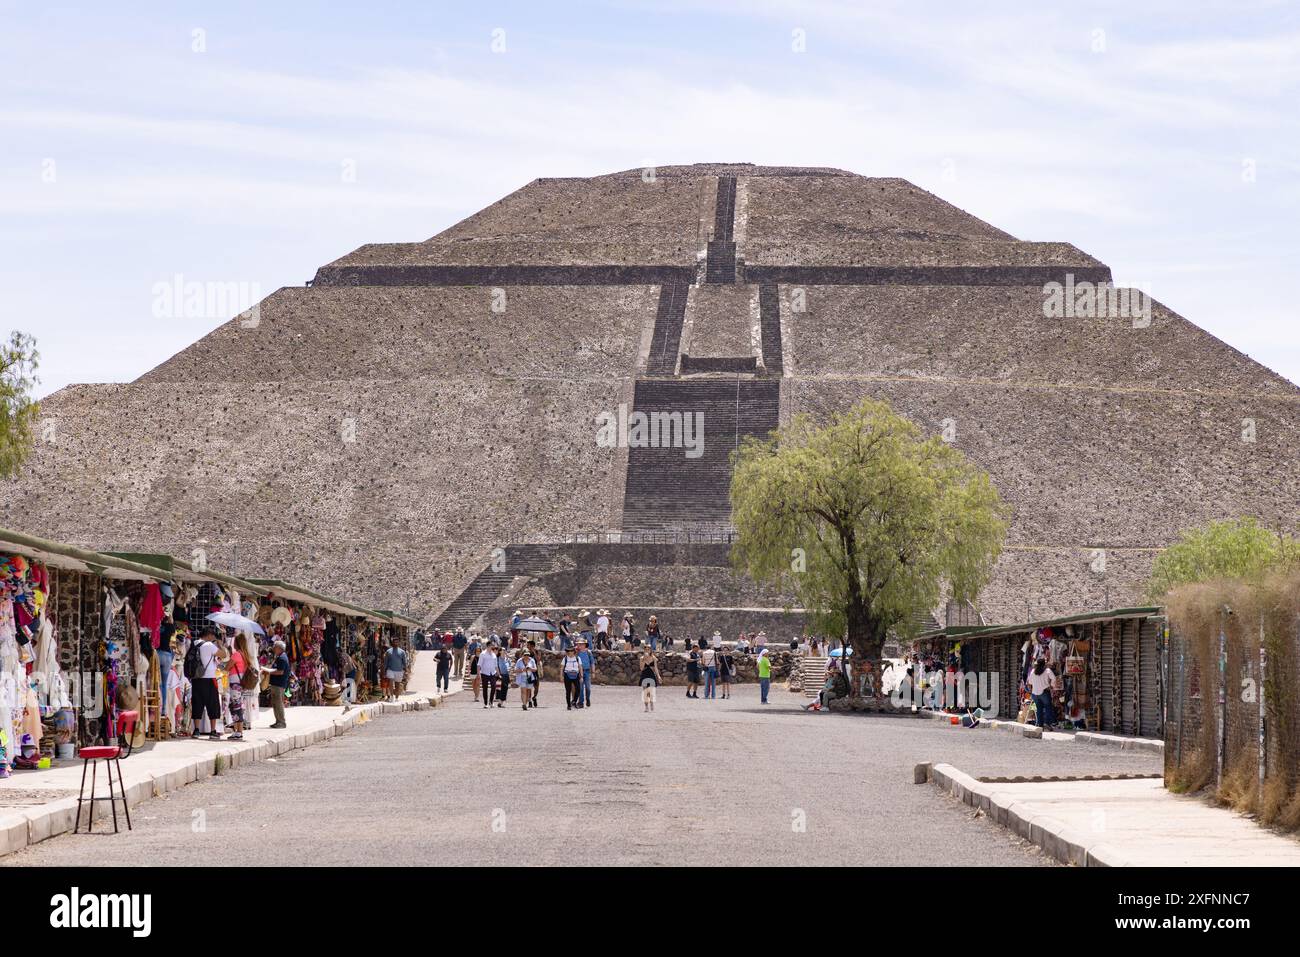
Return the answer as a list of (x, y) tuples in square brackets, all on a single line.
[(1122, 823), (35, 805)]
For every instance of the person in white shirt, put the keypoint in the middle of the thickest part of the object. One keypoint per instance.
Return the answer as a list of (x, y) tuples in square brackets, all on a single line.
[(571, 671), (1039, 682), (488, 666), (602, 630), (525, 675), (709, 661), (203, 694)]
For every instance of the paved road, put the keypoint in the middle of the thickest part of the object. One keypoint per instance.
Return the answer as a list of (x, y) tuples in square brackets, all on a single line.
[(698, 782)]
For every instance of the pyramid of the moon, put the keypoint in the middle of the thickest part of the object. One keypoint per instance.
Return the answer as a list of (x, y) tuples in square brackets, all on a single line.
[(417, 427)]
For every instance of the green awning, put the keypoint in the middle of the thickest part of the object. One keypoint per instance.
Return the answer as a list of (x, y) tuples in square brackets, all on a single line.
[(987, 631), (73, 558)]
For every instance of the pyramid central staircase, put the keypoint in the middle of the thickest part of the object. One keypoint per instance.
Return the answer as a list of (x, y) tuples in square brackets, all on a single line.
[(671, 493)]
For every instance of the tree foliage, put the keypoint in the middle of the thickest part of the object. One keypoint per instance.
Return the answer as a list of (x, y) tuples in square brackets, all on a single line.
[(18, 411), (1239, 548), (864, 519)]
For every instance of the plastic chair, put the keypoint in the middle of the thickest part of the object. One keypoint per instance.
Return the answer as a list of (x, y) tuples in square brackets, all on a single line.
[(111, 755)]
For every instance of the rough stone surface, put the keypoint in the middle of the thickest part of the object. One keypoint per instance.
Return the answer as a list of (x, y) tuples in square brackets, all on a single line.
[(401, 433)]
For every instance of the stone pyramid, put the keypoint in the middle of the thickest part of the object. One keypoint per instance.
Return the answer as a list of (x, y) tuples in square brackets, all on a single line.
[(415, 428)]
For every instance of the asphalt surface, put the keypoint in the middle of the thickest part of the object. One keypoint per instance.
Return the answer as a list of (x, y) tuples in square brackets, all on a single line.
[(697, 782)]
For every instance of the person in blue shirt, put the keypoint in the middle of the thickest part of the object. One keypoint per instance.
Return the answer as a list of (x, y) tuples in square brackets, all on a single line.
[(588, 667)]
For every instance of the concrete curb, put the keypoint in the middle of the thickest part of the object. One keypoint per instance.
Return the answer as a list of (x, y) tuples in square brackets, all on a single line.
[(1154, 745), (994, 724), (21, 828), (1067, 845)]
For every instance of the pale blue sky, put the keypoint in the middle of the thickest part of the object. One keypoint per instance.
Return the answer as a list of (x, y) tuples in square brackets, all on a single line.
[(1161, 137)]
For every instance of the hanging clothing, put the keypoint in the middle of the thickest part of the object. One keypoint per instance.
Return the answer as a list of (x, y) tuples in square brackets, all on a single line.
[(151, 611), (112, 605)]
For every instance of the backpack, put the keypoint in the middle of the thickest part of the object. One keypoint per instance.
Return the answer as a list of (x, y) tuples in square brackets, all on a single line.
[(193, 663)]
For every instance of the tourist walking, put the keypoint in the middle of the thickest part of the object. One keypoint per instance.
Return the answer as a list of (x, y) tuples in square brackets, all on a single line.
[(764, 676), (652, 632), (602, 629), (458, 643), (279, 682), (443, 658), (1039, 682), (588, 669), (503, 676), (726, 670), (571, 671), (201, 661), (692, 671), (537, 671), (525, 676), (394, 670), (709, 662), (629, 629), (488, 667), (650, 679), (473, 671)]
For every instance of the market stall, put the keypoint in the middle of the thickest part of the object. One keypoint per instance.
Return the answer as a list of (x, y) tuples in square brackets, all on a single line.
[(334, 647), (1106, 666), (70, 655)]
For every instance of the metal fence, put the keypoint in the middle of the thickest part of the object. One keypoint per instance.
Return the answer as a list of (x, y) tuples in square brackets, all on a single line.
[(1233, 708)]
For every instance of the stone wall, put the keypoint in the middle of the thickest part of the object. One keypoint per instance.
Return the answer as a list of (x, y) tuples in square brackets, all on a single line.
[(448, 333), (998, 334)]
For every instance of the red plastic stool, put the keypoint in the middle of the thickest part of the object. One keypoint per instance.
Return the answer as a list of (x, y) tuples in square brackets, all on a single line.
[(111, 755)]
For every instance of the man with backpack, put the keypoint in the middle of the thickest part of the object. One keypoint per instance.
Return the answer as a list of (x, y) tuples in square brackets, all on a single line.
[(458, 644), (201, 669)]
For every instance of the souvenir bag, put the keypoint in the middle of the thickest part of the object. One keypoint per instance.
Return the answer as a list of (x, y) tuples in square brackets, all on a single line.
[(1074, 663)]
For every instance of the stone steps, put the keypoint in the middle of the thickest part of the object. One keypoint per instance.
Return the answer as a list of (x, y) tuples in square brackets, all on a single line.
[(769, 312), (720, 263), (665, 489), (667, 338)]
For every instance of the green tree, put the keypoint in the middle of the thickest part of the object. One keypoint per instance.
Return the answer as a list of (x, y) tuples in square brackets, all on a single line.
[(864, 519), (18, 411), (1238, 548)]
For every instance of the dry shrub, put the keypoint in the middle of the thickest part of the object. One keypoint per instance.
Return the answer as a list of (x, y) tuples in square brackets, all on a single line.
[(1239, 788), (1267, 610)]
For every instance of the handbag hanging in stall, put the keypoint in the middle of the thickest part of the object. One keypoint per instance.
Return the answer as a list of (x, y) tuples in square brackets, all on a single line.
[(1074, 663)]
